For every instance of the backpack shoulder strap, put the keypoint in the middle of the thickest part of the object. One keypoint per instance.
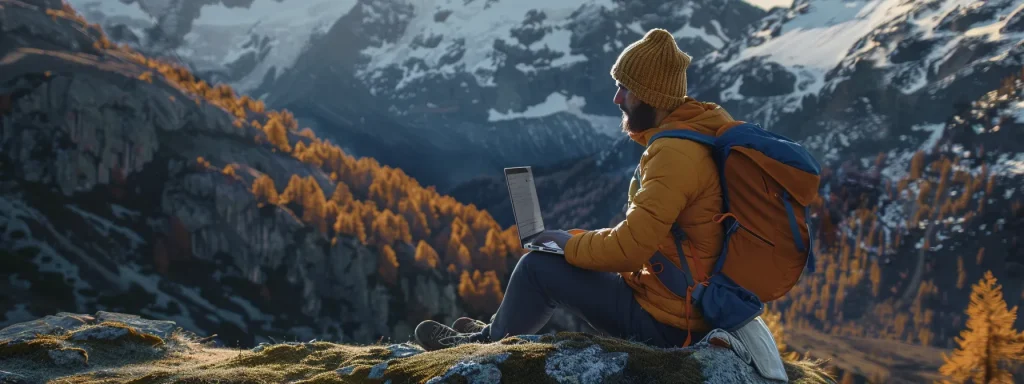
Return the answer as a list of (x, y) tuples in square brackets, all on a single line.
[(684, 134), (682, 278)]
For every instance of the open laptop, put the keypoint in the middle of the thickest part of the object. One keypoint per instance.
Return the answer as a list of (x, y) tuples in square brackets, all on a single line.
[(526, 209)]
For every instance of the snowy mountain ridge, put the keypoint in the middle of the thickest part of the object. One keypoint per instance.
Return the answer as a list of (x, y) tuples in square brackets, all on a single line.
[(255, 37), (411, 46), (528, 82), (838, 73), (488, 83)]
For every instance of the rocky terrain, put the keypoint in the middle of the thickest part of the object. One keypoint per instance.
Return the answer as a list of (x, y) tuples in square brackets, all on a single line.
[(122, 189), (119, 348)]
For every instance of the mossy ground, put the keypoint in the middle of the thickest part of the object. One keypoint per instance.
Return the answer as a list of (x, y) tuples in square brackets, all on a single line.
[(139, 359)]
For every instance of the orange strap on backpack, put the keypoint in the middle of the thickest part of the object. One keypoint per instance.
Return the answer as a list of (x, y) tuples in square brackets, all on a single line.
[(689, 297)]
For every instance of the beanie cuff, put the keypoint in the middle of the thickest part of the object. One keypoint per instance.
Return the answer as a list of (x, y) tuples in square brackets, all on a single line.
[(654, 98)]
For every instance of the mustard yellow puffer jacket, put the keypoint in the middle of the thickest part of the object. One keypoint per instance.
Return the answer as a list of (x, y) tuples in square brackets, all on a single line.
[(678, 183)]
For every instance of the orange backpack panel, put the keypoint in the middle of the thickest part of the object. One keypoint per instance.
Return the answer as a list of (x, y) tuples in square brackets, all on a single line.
[(767, 181)]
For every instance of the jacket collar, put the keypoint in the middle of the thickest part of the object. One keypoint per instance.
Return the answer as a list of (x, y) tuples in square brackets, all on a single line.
[(703, 117)]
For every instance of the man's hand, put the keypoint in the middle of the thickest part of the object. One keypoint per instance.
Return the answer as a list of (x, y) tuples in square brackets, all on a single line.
[(559, 237)]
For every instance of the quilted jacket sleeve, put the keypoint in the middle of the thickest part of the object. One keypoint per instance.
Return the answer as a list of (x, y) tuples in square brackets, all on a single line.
[(668, 182)]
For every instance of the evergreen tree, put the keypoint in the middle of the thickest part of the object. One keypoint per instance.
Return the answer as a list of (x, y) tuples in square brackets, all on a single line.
[(989, 345), (426, 256), (264, 190), (277, 134), (388, 267)]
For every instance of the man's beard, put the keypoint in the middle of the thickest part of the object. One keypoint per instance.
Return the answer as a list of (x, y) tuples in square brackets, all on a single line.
[(639, 118)]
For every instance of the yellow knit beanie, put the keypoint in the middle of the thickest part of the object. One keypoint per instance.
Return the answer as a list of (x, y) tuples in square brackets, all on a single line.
[(654, 70)]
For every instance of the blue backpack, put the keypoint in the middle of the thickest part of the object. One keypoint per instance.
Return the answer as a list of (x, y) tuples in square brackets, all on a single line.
[(768, 183)]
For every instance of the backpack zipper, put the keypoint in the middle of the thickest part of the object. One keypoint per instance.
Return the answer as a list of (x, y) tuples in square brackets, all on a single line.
[(757, 236)]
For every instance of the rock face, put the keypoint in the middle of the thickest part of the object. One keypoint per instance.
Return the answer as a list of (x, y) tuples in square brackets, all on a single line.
[(105, 206), (558, 358)]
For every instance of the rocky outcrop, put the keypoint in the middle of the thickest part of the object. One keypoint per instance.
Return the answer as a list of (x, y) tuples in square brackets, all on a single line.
[(112, 198), (113, 347)]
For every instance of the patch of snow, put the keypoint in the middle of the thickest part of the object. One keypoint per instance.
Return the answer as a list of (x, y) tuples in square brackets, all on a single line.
[(607, 125), (1016, 110), (991, 30), (689, 31), (829, 13), (635, 27), (121, 212), (718, 30), (813, 43), (933, 139), (196, 298), (769, 4), (555, 102), (892, 217), (250, 310), (105, 227), (219, 33), (733, 92), (472, 28), (821, 38), (558, 41), (1006, 165), (558, 102), (104, 12)]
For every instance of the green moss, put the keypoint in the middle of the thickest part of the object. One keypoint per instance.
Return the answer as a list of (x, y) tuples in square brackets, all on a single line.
[(272, 355), (29, 348), (319, 363), (527, 363), (151, 378), (37, 349)]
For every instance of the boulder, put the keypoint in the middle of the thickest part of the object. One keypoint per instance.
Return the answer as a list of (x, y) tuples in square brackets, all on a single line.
[(161, 328), (49, 325), (12, 378)]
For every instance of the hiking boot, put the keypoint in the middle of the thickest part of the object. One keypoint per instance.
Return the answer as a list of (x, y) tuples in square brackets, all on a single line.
[(432, 336), (468, 325)]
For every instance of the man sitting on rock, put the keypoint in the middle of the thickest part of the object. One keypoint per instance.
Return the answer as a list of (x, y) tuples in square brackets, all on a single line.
[(604, 277)]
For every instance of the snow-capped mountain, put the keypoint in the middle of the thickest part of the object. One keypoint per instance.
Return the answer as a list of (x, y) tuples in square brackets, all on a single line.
[(489, 83), (841, 73)]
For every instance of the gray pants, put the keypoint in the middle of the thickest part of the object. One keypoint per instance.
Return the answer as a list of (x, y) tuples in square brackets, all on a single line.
[(543, 281)]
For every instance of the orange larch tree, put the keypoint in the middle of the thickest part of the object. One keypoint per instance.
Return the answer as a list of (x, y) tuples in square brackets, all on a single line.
[(342, 194), (277, 135), (388, 267), (989, 345), (264, 190), (481, 291), (426, 256), (492, 254)]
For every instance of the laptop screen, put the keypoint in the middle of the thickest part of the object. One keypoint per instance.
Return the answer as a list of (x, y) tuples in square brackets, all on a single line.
[(525, 205)]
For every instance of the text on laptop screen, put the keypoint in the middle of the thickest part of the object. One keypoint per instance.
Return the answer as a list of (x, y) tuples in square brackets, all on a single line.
[(524, 201)]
